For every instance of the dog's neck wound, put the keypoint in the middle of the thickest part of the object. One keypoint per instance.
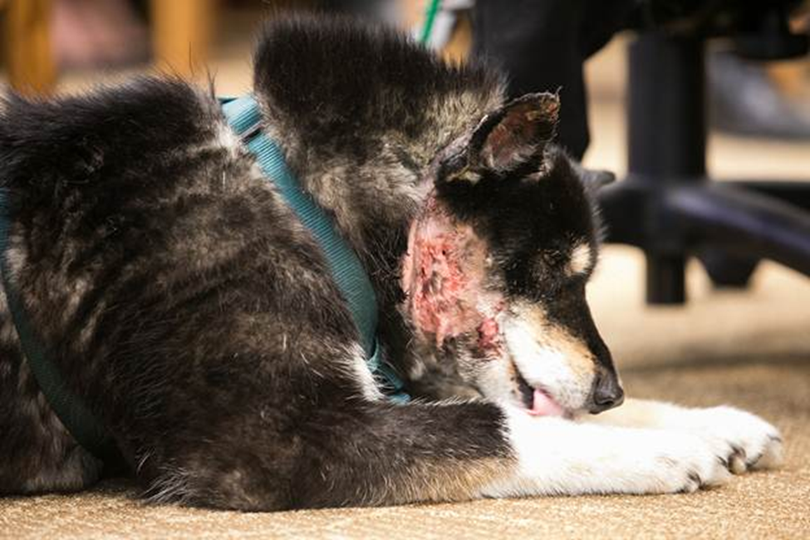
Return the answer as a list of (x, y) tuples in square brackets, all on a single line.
[(443, 274)]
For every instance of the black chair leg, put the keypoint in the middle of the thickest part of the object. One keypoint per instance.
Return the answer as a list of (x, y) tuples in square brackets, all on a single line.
[(667, 206), (666, 281), (742, 223), (667, 142)]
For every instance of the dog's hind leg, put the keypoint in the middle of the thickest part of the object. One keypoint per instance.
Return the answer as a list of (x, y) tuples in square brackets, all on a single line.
[(757, 443), (37, 454), (374, 453)]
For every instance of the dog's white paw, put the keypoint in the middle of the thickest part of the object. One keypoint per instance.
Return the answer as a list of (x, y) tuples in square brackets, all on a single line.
[(683, 462), (556, 456), (756, 443)]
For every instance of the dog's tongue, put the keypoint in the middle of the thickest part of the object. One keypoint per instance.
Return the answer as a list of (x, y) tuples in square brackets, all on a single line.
[(543, 405)]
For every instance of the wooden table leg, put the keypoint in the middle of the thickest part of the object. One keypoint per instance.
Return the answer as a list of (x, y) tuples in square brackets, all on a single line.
[(29, 53), (181, 32)]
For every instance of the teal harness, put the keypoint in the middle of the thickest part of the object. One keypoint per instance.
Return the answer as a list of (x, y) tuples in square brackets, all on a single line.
[(74, 414), (245, 119)]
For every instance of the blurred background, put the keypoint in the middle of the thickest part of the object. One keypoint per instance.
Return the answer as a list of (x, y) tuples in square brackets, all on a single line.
[(52, 46), (759, 127)]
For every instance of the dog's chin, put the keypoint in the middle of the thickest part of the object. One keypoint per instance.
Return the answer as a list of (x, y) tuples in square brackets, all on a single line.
[(539, 402)]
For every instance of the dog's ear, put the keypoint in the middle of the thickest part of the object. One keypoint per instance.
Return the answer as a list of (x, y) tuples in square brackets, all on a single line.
[(513, 135)]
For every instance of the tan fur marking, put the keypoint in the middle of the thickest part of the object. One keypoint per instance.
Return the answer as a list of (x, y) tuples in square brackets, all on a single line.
[(453, 480), (580, 259), (555, 337)]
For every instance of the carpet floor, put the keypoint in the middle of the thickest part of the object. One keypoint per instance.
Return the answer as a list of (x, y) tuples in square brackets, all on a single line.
[(749, 349)]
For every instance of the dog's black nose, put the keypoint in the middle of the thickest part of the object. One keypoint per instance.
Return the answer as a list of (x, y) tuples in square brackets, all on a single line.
[(607, 393)]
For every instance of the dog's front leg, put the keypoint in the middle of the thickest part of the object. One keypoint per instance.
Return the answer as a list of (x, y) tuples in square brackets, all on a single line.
[(757, 443), (374, 453), (558, 456)]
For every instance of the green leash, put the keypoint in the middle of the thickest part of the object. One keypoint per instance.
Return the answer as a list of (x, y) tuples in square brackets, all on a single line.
[(430, 17)]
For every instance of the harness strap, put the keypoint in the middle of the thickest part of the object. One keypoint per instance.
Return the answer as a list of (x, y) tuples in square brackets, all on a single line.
[(245, 119), (74, 414)]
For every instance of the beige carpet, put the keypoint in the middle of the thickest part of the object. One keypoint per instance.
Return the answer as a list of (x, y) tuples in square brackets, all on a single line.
[(748, 349)]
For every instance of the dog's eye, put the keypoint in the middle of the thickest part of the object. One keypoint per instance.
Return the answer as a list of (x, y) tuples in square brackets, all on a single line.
[(574, 284), (564, 286)]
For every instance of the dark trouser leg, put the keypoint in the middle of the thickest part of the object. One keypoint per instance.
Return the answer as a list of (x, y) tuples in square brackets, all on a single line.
[(537, 46), (541, 46)]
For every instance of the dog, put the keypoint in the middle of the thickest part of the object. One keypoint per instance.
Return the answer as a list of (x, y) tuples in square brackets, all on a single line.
[(187, 307)]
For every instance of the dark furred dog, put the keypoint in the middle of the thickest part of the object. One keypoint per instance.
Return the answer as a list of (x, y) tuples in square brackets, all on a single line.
[(194, 314)]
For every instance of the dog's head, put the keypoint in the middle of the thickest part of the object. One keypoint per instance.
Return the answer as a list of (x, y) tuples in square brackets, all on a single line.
[(498, 261)]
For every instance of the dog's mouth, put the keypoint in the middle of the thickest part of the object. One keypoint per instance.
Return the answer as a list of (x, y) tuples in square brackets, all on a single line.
[(538, 402)]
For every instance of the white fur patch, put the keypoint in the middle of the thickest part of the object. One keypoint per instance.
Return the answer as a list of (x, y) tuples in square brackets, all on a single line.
[(227, 139), (360, 370), (560, 457), (759, 443)]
